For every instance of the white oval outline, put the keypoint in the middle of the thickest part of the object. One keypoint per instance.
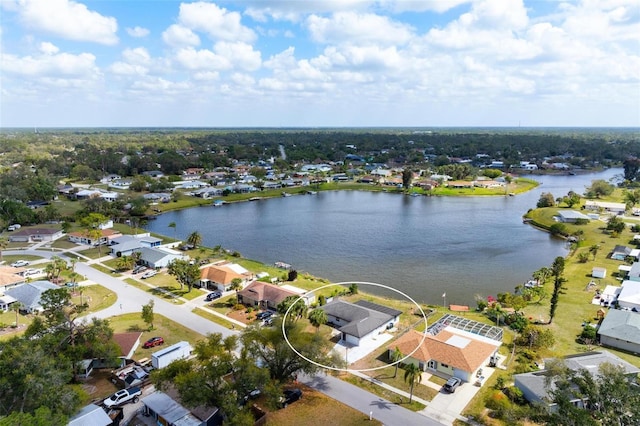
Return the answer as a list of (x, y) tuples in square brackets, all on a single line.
[(348, 370)]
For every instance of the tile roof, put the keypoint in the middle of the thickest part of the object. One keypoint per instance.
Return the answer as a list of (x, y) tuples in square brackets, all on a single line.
[(460, 351), (223, 274), (261, 291)]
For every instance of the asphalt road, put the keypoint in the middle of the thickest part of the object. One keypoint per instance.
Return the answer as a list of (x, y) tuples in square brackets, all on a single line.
[(131, 299)]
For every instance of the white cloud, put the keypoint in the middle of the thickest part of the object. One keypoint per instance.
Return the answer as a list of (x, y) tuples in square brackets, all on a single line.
[(68, 19), (48, 48), (203, 59), (179, 36), (349, 27), (138, 32), (217, 22), (224, 56), (51, 64), (241, 55)]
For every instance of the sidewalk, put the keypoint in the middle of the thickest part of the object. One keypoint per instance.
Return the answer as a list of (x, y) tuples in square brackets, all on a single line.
[(390, 388)]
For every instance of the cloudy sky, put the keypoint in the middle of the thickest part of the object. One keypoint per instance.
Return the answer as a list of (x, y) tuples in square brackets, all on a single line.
[(301, 63)]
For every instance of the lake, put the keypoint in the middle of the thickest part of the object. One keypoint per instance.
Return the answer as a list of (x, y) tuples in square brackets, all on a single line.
[(422, 246)]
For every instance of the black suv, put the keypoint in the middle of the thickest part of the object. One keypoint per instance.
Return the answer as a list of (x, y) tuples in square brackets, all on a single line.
[(264, 315), (213, 296), (289, 396)]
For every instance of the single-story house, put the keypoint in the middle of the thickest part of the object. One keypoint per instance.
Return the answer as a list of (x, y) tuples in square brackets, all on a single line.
[(92, 415), (571, 216), (620, 252), (533, 384), (633, 273), (6, 301), (598, 272), (163, 197), (360, 322), (83, 237), (616, 208), (127, 244), (451, 352), (11, 277), (159, 257), (221, 276), (128, 343), (621, 329), (165, 408), (35, 235), (264, 295), (629, 297), (29, 294), (85, 194), (208, 192)]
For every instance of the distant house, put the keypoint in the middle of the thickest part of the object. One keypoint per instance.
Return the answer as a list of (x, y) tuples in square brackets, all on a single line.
[(571, 216), (621, 329), (264, 295), (166, 409), (221, 276), (360, 322), (29, 294), (10, 277), (35, 235), (615, 208), (620, 252), (533, 385), (83, 237), (452, 352)]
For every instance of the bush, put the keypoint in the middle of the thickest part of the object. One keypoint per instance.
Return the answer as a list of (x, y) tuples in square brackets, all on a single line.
[(497, 401), (514, 394), (558, 229), (322, 300), (238, 307)]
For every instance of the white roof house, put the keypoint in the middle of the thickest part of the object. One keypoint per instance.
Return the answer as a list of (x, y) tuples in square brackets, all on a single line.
[(629, 297), (610, 207), (571, 216)]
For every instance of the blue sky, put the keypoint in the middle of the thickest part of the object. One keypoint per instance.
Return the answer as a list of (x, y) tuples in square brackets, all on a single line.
[(328, 63)]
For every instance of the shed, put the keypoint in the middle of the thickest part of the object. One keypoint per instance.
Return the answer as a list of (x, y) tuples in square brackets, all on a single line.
[(598, 272), (91, 415)]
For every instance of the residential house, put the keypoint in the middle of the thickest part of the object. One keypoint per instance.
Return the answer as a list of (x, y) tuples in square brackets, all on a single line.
[(620, 252), (6, 301), (449, 351), (11, 277), (360, 322), (155, 257), (165, 409), (264, 295), (459, 184), (220, 276), (615, 208), (85, 194), (158, 197), (633, 273), (208, 192), (571, 216), (534, 384), (629, 297), (155, 174), (29, 294), (128, 343), (32, 235), (83, 237), (93, 415), (127, 244), (621, 329)]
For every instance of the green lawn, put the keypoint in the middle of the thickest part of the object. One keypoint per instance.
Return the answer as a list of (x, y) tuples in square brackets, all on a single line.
[(214, 318)]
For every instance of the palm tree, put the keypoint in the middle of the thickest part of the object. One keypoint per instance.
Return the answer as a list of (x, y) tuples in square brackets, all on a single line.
[(4, 243), (396, 356), (195, 239), (174, 226), (594, 250), (318, 317), (413, 375), (16, 308), (236, 285)]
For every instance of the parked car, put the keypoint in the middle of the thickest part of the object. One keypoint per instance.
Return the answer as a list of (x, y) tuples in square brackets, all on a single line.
[(14, 227), (123, 396), (139, 268), (264, 315), (452, 384), (289, 396), (153, 342), (20, 263), (149, 274), (213, 296), (30, 272)]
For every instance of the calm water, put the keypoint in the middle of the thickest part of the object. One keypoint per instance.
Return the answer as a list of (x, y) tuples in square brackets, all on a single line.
[(423, 246)]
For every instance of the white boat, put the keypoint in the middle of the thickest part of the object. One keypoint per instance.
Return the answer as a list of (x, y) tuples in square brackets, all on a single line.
[(286, 194)]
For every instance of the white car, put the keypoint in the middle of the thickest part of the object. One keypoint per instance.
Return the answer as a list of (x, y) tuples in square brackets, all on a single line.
[(30, 272), (148, 274), (20, 263)]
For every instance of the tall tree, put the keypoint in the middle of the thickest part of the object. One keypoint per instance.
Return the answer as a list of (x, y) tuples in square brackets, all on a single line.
[(407, 177), (195, 239), (174, 226), (147, 314), (396, 356), (4, 243), (185, 272), (557, 269), (412, 375)]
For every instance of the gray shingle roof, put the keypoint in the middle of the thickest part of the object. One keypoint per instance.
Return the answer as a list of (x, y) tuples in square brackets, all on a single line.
[(29, 294), (384, 309), (621, 325), (360, 320)]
